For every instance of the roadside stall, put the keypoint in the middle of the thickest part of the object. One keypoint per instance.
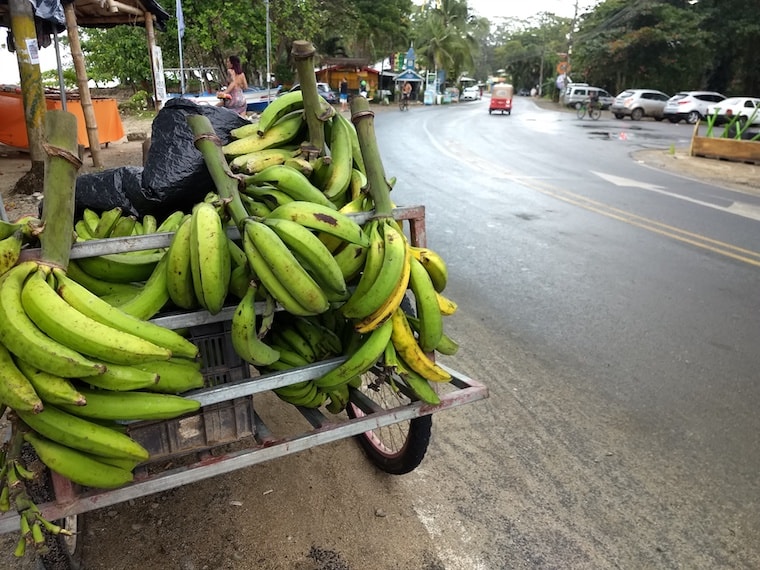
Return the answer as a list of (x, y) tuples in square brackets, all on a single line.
[(234, 310)]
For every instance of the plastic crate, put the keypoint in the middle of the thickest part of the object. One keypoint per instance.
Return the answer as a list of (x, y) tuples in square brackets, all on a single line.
[(212, 425)]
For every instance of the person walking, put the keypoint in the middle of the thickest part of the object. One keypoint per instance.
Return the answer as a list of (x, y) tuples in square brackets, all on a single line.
[(343, 92), (232, 97)]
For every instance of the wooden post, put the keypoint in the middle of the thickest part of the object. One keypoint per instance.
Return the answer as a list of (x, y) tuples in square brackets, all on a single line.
[(32, 93), (90, 121), (151, 33)]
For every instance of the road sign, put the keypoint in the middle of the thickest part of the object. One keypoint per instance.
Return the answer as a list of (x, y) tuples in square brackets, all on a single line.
[(563, 67)]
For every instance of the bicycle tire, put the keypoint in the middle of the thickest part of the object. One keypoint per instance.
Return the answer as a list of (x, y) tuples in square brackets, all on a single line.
[(399, 448), (595, 113), (581, 112), (62, 552)]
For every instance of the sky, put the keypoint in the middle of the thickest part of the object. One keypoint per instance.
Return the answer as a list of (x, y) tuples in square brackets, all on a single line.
[(491, 9)]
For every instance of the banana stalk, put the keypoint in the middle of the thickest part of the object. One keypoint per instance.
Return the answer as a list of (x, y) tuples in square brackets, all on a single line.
[(379, 189), (61, 168), (303, 56)]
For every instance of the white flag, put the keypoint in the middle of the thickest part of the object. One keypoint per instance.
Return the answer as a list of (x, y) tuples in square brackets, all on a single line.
[(180, 19)]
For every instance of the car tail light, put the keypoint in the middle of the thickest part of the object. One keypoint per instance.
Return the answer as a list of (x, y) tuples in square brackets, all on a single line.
[(684, 101)]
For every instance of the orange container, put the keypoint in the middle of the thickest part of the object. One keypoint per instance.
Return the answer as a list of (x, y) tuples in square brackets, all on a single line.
[(13, 127)]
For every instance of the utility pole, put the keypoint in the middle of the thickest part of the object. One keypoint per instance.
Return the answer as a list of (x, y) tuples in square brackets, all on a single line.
[(542, 23), (570, 43)]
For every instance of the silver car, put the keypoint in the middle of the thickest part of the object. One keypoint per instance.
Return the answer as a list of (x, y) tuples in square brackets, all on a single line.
[(690, 106), (639, 103)]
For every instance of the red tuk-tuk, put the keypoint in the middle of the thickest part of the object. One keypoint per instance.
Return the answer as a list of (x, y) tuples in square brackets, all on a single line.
[(501, 98)]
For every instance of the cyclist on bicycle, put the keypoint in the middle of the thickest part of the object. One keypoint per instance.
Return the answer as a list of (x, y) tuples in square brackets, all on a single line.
[(593, 99), (406, 92)]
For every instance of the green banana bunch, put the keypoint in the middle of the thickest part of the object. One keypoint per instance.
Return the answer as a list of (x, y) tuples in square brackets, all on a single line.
[(209, 257), (430, 319), (286, 130), (322, 219), (290, 181), (284, 105), (126, 267), (257, 161), (10, 250), (280, 272), (372, 347), (130, 405), (179, 273), (72, 328), (303, 394), (175, 375), (338, 176), (15, 389), (151, 296)]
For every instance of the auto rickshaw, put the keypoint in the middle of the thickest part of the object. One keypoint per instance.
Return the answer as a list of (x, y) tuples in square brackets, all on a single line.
[(501, 98)]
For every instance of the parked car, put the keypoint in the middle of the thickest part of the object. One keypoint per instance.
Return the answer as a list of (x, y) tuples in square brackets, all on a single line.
[(746, 108), (523, 92), (577, 94), (639, 103), (470, 93), (690, 106), (324, 90)]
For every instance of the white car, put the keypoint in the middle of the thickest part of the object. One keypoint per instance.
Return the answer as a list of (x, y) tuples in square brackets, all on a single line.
[(690, 106), (470, 94), (746, 108)]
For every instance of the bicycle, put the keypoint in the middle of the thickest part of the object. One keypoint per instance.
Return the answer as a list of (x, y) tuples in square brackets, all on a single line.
[(594, 110), (403, 103)]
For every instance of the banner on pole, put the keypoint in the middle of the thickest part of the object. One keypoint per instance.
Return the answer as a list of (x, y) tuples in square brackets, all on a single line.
[(180, 20)]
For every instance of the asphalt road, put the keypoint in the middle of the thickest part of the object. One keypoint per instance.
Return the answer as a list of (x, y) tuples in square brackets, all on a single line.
[(613, 311)]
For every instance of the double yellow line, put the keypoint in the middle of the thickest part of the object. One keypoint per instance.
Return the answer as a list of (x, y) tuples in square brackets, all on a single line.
[(703, 242)]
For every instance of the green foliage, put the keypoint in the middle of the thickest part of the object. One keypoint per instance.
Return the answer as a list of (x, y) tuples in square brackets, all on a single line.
[(50, 78), (138, 102), (117, 54)]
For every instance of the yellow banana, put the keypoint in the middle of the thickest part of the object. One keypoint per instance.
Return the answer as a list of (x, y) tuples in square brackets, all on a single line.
[(22, 337), (254, 162), (76, 466), (445, 305), (179, 274), (428, 312), (360, 361), (357, 185), (82, 434), (95, 308), (245, 131), (64, 323), (407, 348), (16, 390), (286, 267), (10, 250), (384, 312), (244, 336), (301, 164), (387, 280), (434, 265)]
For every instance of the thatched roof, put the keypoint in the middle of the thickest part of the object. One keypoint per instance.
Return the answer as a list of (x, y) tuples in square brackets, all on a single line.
[(100, 13)]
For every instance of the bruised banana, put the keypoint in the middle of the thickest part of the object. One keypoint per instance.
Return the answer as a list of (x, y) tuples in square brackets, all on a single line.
[(407, 348), (22, 337), (76, 466), (16, 391), (322, 218), (70, 327), (10, 250)]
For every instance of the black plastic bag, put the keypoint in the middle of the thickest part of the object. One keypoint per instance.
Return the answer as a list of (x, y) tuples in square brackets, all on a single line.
[(117, 187), (175, 175)]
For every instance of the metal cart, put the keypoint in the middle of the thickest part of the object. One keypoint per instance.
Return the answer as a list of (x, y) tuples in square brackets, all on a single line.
[(392, 428)]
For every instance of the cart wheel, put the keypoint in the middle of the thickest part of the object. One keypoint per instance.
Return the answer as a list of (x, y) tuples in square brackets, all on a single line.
[(398, 448), (63, 552)]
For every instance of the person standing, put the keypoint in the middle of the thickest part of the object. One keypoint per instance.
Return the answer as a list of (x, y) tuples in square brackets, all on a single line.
[(232, 97), (343, 92)]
